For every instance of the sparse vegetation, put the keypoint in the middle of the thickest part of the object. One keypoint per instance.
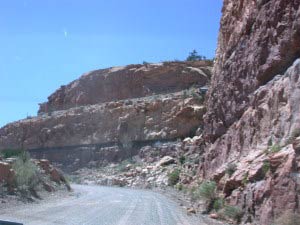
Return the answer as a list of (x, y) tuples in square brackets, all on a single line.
[(194, 56), (265, 167), (218, 204), (179, 187), (274, 148), (26, 174), (270, 142), (182, 159), (230, 169), (173, 177), (207, 190), (233, 212), (245, 179)]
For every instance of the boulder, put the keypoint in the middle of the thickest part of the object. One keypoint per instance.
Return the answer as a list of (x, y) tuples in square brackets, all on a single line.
[(166, 160)]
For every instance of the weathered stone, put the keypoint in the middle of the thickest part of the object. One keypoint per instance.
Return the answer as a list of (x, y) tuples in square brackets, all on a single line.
[(45, 165), (167, 160), (7, 175), (191, 210), (257, 41), (133, 81), (214, 216)]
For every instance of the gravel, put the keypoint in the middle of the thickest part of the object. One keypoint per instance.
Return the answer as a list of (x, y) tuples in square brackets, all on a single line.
[(93, 205)]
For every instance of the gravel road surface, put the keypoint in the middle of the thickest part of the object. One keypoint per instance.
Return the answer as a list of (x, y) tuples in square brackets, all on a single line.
[(96, 205)]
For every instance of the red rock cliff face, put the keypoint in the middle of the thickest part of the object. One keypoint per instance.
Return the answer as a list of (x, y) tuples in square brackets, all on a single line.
[(253, 117), (257, 40)]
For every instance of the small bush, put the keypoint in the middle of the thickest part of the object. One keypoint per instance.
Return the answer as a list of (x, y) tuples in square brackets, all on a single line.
[(194, 56), (218, 204), (270, 142), (8, 153), (245, 179), (173, 177), (288, 218), (179, 187), (265, 167), (207, 190), (275, 148), (233, 212), (230, 169), (182, 159), (26, 173)]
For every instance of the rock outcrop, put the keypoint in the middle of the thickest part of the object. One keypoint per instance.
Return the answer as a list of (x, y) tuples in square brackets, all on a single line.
[(257, 41), (133, 81), (116, 115), (49, 177), (123, 122), (253, 116)]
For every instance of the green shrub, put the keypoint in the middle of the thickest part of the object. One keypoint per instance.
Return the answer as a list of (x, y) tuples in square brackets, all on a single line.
[(233, 212), (288, 218), (179, 187), (275, 148), (182, 159), (230, 169), (194, 56), (8, 153), (173, 177), (265, 167), (207, 190), (270, 142), (218, 204), (26, 171), (245, 179)]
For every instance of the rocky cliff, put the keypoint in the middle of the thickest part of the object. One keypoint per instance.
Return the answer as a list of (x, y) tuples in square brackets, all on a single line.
[(257, 41), (116, 113), (133, 81), (252, 118)]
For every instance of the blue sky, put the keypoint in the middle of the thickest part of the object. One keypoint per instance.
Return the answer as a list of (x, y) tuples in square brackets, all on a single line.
[(47, 43)]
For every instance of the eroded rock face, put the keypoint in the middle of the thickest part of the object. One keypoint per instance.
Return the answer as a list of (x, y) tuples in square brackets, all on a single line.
[(253, 115), (263, 144), (108, 115), (133, 81), (123, 122), (257, 41)]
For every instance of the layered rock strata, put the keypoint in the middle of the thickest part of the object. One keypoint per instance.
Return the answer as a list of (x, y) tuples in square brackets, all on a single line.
[(116, 117), (132, 81)]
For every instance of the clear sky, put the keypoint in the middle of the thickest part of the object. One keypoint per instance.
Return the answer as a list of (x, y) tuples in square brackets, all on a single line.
[(47, 43)]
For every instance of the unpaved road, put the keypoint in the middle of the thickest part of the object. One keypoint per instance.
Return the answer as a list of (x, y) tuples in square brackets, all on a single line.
[(94, 205)]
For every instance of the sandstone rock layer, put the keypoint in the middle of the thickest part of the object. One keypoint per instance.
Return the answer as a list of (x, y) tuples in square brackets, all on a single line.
[(133, 81)]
